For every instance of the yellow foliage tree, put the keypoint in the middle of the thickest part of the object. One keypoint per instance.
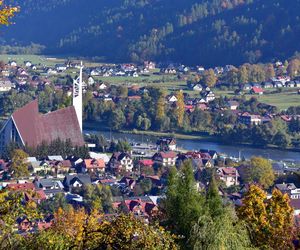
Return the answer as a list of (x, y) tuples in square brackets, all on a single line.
[(6, 13), (180, 108), (270, 221)]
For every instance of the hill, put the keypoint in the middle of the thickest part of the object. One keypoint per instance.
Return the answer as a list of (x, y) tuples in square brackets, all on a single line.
[(214, 32)]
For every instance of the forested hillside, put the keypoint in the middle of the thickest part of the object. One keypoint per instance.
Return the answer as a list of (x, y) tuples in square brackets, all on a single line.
[(207, 32)]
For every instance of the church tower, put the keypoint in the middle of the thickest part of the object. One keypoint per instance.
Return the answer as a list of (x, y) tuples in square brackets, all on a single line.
[(77, 96)]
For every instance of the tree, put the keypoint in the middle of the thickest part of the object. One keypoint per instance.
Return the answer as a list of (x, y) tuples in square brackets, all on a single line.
[(269, 221), (19, 167), (180, 110), (243, 74), (6, 13), (218, 227), (259, 171), (209, 78), (117, 119), (12, 207), (183, 204), (221, 232), (293, 68), (77, 230)]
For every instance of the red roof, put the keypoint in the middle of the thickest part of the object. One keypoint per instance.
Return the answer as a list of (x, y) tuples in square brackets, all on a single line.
[(21, 187), (147, 163), (134, 97), (257, 90), (34, 128), (169, 154)]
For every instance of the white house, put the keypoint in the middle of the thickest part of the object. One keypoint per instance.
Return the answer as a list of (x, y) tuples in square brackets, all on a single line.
[(229, 176)]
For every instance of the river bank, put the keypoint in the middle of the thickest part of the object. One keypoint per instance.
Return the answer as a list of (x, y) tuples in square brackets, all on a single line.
[(201, 137)]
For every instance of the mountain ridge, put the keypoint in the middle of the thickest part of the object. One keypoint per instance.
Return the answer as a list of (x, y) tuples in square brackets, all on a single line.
[(202, 32)]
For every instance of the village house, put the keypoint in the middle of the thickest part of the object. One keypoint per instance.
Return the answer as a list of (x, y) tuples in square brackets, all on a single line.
[(27, 64), (61, 67), (209, 96), (257, 90), (102, 86), (149, 65), (6, 85), (93, 165), (120, 161), (229, 175), (51, 187), (166, 144), (249, 119), (76, 180), (290, 189), (13, 63), (197, 87), (91, 81), (232, 105), (172, 99), (165, 159)]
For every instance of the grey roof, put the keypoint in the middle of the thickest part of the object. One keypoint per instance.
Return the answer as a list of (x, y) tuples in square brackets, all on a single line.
[(85, 179), (286, 186)]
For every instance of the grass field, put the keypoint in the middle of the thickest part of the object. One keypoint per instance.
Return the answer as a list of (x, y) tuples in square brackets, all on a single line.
[(35, 59), (283, 100)]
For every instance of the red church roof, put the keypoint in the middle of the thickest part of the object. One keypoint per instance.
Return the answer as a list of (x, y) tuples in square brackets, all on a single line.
[(34, 128)]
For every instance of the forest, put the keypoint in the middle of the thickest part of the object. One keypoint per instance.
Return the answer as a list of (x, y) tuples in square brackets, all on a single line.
[(194, 32)]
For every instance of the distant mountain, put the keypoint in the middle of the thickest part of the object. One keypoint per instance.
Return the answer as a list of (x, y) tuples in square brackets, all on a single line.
[(207, 32)]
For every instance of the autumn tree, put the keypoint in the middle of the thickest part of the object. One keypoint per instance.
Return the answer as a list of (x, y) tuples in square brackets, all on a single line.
[(269, 71), (180, 108), (269, 221), (243, 74), (19, 166), (209, 78), (75, 229), (293, 67), (6, 13), (12, 207)]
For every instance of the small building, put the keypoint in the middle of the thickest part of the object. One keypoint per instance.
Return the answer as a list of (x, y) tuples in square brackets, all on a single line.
[(233, 105), (250, 120), (165, 158), (120, 161), (93, 165), (229, 175), (76, 180), (257, 91), (166, 144)]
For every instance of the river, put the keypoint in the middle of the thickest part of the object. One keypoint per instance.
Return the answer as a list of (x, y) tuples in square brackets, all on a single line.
[(230, 150)]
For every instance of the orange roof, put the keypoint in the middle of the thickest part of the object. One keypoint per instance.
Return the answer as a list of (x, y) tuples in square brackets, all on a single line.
[(94, 163), (21, 187)]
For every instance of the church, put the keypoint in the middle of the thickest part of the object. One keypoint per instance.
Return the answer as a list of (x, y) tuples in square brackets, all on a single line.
[(27, 126)]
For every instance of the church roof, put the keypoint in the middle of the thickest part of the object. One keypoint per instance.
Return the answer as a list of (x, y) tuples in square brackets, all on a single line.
[(34, 128)]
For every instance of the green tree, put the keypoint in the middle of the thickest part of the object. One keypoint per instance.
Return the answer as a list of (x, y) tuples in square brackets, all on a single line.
[(117, 119), (183, 204), (260, 171)]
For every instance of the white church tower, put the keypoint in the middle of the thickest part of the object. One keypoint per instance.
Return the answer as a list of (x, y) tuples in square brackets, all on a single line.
[(77, 96)]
